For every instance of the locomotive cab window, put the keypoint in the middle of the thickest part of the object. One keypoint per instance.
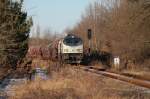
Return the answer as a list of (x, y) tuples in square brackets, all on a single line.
[(72, 40)]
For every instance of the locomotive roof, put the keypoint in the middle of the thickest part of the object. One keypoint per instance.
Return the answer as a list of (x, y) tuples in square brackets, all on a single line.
[(71, 36)]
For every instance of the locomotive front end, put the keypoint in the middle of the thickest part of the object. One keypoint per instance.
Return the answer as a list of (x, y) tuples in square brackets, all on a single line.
[(72, 49)]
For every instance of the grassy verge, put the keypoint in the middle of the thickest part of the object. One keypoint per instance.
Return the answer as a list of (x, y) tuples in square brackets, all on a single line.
[(68, 83)]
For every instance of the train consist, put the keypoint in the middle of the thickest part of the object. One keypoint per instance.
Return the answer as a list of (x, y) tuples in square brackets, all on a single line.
[(67, 50)]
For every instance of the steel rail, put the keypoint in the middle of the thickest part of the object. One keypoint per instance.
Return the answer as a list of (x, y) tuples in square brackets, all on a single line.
[(128, 79)]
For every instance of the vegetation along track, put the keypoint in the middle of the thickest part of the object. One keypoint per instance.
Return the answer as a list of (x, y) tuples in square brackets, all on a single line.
[(133, 80), (4, 74)]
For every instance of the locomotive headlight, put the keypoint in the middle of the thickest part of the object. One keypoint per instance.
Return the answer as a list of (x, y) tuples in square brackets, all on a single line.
[(66, 50), (79, 50)]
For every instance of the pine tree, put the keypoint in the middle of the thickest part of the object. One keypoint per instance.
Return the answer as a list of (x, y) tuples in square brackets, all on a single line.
[(14, 32)]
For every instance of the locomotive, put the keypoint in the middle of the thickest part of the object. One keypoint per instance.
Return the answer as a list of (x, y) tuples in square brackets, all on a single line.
[(67, 50)]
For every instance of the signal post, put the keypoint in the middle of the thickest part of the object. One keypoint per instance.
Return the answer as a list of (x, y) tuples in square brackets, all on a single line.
[(89, 36)]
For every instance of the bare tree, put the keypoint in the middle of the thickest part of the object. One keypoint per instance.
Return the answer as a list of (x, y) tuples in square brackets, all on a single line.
[(120, 27)]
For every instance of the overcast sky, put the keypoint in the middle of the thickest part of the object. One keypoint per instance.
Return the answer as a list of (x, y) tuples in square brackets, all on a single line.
[(56, 14)]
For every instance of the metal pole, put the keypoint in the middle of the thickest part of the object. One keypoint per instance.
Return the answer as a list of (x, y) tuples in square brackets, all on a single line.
[(89, 34), (89, 50)]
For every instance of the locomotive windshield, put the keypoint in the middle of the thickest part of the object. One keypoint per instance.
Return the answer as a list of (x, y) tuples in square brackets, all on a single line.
[(72, 40)]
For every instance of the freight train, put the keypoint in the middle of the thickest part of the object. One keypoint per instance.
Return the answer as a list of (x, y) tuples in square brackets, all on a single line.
[(68, 49)]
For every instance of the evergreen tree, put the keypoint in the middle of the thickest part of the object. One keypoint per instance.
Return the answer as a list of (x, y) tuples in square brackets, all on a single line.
[(14, 32)]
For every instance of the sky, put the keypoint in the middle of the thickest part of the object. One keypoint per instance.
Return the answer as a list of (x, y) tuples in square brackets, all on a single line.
[(56, 15)]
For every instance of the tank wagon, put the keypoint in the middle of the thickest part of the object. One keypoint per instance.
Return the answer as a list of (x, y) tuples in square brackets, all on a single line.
[(39, 52), (34, 52), (67, 50)]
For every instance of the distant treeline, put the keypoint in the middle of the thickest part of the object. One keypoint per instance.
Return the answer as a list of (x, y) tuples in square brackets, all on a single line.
[(120, 27)]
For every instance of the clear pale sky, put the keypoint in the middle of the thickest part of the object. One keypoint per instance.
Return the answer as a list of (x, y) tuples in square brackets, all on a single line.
[(56, 14)]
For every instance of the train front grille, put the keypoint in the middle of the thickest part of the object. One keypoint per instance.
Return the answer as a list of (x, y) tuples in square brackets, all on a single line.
[(72, 58)]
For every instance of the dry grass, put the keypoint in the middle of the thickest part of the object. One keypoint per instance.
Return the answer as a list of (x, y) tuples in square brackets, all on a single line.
[(75, 84), (40, 63)]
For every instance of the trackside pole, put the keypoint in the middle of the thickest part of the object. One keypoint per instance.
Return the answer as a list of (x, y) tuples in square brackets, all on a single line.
[(89, 36)]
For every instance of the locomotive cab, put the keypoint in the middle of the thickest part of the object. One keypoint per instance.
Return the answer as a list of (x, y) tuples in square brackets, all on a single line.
[(72, 49), (72, 40)]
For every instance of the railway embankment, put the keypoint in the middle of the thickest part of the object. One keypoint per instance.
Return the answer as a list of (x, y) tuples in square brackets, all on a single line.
[(78, 84), (67, 82)]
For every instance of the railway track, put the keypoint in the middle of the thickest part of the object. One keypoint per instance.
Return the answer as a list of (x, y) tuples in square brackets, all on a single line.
[(129, 79)]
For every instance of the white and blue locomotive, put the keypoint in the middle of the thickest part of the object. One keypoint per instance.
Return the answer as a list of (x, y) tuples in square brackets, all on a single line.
[(68, 49)]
